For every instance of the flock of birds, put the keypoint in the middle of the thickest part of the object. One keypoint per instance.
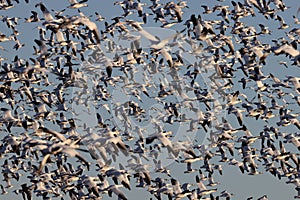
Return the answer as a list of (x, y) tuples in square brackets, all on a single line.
[(78, 73)]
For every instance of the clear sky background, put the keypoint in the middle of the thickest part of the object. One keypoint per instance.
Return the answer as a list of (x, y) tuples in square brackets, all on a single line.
[(232, 180)]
